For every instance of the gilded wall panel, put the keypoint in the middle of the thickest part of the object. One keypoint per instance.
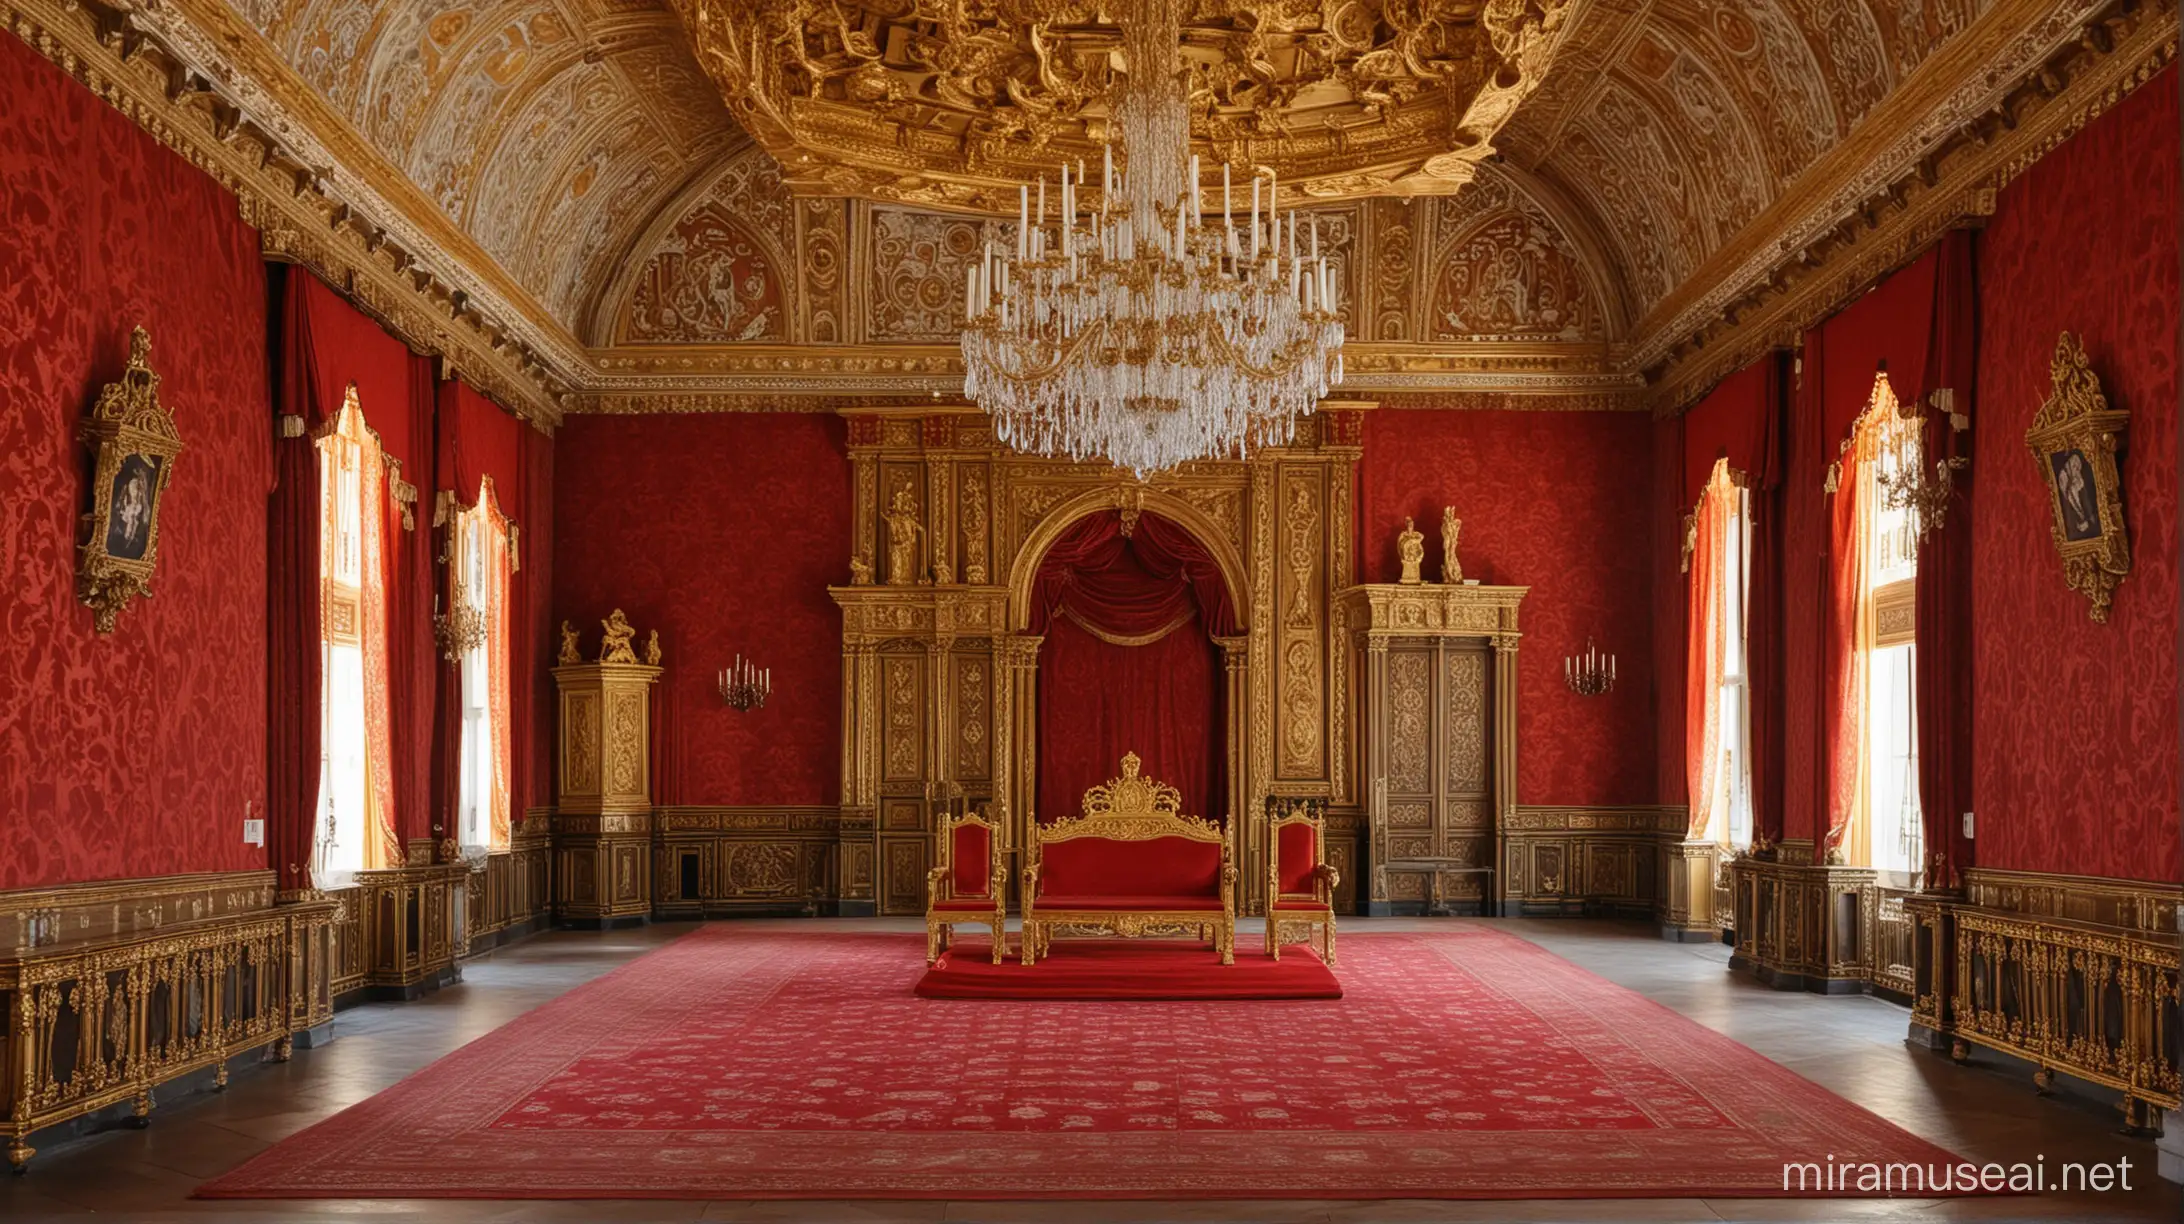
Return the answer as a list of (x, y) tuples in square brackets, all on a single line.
[(902, 688), (822, 235), (1300, 596), (973, 717), (1410, 684), (1465, 721)]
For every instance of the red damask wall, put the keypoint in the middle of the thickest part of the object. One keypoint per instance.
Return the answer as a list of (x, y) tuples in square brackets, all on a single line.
[(722, 531), (1561, 502), (2075, 723), (133, 754)]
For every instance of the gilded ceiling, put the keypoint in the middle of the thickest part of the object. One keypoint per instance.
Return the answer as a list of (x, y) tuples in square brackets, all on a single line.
[(1560, 182)]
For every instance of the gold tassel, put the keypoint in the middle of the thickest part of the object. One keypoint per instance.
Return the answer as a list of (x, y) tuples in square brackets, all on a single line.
[(515, 534), (291, 425)]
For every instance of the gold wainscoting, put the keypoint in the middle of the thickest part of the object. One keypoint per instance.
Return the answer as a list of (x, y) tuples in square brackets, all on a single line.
[(509, 893), (2075, 974), (1588, 859), (112, 989), (404, 926), (715, 861)]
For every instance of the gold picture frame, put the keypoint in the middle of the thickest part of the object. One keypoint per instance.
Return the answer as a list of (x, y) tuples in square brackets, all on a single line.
[(134, 444), (2075, 439)]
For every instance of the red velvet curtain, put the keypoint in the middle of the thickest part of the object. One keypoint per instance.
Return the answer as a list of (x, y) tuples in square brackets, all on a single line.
[(1128, 663), (1843, 695), (1942, 660), (411, 669), (528, 620), (294, 669)]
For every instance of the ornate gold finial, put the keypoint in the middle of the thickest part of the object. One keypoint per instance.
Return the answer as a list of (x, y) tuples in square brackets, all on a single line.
[(1135, 805), (652, 649), (1410, 549), (570, 652), (1452, 570), (1130, 764), (616, 646)]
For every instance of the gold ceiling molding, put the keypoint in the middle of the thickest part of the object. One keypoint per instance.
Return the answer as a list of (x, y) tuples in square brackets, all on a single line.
[(953, 105), (2084, 70), (199, 110)]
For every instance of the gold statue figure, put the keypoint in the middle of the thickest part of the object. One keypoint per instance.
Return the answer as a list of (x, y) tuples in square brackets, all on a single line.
[(860, 572), (652, 649), (616, 647), (1410, 547), (1452, 570), (570, 652), (902, 539)]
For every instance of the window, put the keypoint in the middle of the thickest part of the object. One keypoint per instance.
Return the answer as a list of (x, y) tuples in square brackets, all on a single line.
[(355, 825), (1722, 556), (480, 593), (1886, 832)]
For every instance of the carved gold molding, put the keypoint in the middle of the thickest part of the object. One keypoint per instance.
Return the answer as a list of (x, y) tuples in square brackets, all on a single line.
[(1931, 157), (159, 68)]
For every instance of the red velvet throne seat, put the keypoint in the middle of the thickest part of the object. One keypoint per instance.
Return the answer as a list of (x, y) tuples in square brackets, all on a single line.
[(968, 885), (1132, 863), (1300, 886)]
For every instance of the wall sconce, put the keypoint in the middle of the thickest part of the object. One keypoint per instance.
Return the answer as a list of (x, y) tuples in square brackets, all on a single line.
[(1589, 674), (745, 686)]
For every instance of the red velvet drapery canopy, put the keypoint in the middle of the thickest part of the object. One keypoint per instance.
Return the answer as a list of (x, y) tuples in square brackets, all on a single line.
[(1128, 663)]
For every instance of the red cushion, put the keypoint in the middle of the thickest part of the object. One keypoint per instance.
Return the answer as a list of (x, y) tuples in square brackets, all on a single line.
[(1295, 857), (966, 905), (972, 858), (1303, 903), (1121, 902), (1159, 866)]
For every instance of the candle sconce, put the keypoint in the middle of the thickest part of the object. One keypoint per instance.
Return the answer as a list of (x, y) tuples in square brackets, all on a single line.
[(1589, 674), (745, 686)]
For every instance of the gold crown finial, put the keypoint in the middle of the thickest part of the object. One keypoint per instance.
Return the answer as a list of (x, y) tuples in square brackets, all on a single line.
[(1130, 764)]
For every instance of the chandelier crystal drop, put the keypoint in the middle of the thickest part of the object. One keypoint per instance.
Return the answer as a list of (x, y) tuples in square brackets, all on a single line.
[(1133, 328)]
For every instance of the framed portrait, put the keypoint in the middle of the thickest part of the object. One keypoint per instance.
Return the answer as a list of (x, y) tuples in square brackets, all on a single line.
[(2075, 440), (133, 445)]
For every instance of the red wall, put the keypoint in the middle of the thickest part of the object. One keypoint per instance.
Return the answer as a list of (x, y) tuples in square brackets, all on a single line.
[(134, 754), (1560, 502), (2075, 723), (722, 531)]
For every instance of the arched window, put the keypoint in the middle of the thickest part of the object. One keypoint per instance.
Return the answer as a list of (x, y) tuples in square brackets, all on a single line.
[(356, 776), (483, 558)]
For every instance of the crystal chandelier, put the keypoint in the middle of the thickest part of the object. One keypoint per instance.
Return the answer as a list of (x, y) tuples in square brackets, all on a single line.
[(1130, 329)]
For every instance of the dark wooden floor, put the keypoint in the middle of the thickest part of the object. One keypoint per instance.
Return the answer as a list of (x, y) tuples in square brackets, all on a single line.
[(1852, 1046)]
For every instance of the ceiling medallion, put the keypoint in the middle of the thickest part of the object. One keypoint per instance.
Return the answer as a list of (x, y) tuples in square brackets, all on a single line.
[(952, 103), (1133, 330)]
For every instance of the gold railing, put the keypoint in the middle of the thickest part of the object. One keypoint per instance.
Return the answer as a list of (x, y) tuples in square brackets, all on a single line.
[(113, 989)]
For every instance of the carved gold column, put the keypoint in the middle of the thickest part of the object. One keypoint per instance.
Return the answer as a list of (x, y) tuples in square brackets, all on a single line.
[(603, 820), (1246, 814), (853, 858), (1505, 752)]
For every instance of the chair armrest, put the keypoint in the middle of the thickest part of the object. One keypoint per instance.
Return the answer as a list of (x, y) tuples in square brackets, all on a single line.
[(997, 884), (1329, 874), (933, 880)]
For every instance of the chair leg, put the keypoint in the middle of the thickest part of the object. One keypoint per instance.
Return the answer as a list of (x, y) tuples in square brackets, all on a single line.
[(1273, 936), (1327, 938), (1228, 943), (1000, 938), (932, 944)]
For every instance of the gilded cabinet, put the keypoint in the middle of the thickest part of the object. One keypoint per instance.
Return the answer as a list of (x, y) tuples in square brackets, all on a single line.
[(602, 869), (1437, 721)]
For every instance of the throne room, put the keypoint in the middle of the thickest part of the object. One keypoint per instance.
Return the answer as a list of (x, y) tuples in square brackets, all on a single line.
[(1022, 610)]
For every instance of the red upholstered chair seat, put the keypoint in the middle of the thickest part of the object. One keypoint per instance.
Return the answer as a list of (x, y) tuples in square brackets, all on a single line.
[(1163, 867), (1122, 901), (964, 905)]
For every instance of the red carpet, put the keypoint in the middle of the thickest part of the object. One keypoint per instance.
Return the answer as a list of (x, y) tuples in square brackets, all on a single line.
[(741, 1063), (1128, 969)]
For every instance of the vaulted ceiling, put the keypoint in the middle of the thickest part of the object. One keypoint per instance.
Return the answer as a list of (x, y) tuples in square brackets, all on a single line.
[(706, 174)]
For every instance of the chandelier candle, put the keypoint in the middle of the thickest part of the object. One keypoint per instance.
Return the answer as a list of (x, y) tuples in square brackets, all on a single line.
[(1132, 330)]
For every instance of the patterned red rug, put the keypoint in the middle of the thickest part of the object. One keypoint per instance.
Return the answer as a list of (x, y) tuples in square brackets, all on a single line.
[(738, 1063), (1128, 969)]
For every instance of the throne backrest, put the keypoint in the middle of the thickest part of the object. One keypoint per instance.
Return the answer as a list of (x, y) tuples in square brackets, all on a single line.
[(1179, 854), (1298, 836), (969, 841)]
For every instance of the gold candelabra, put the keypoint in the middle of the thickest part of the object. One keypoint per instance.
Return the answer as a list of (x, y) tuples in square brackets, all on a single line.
[(745, 686), (1589, 674)]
